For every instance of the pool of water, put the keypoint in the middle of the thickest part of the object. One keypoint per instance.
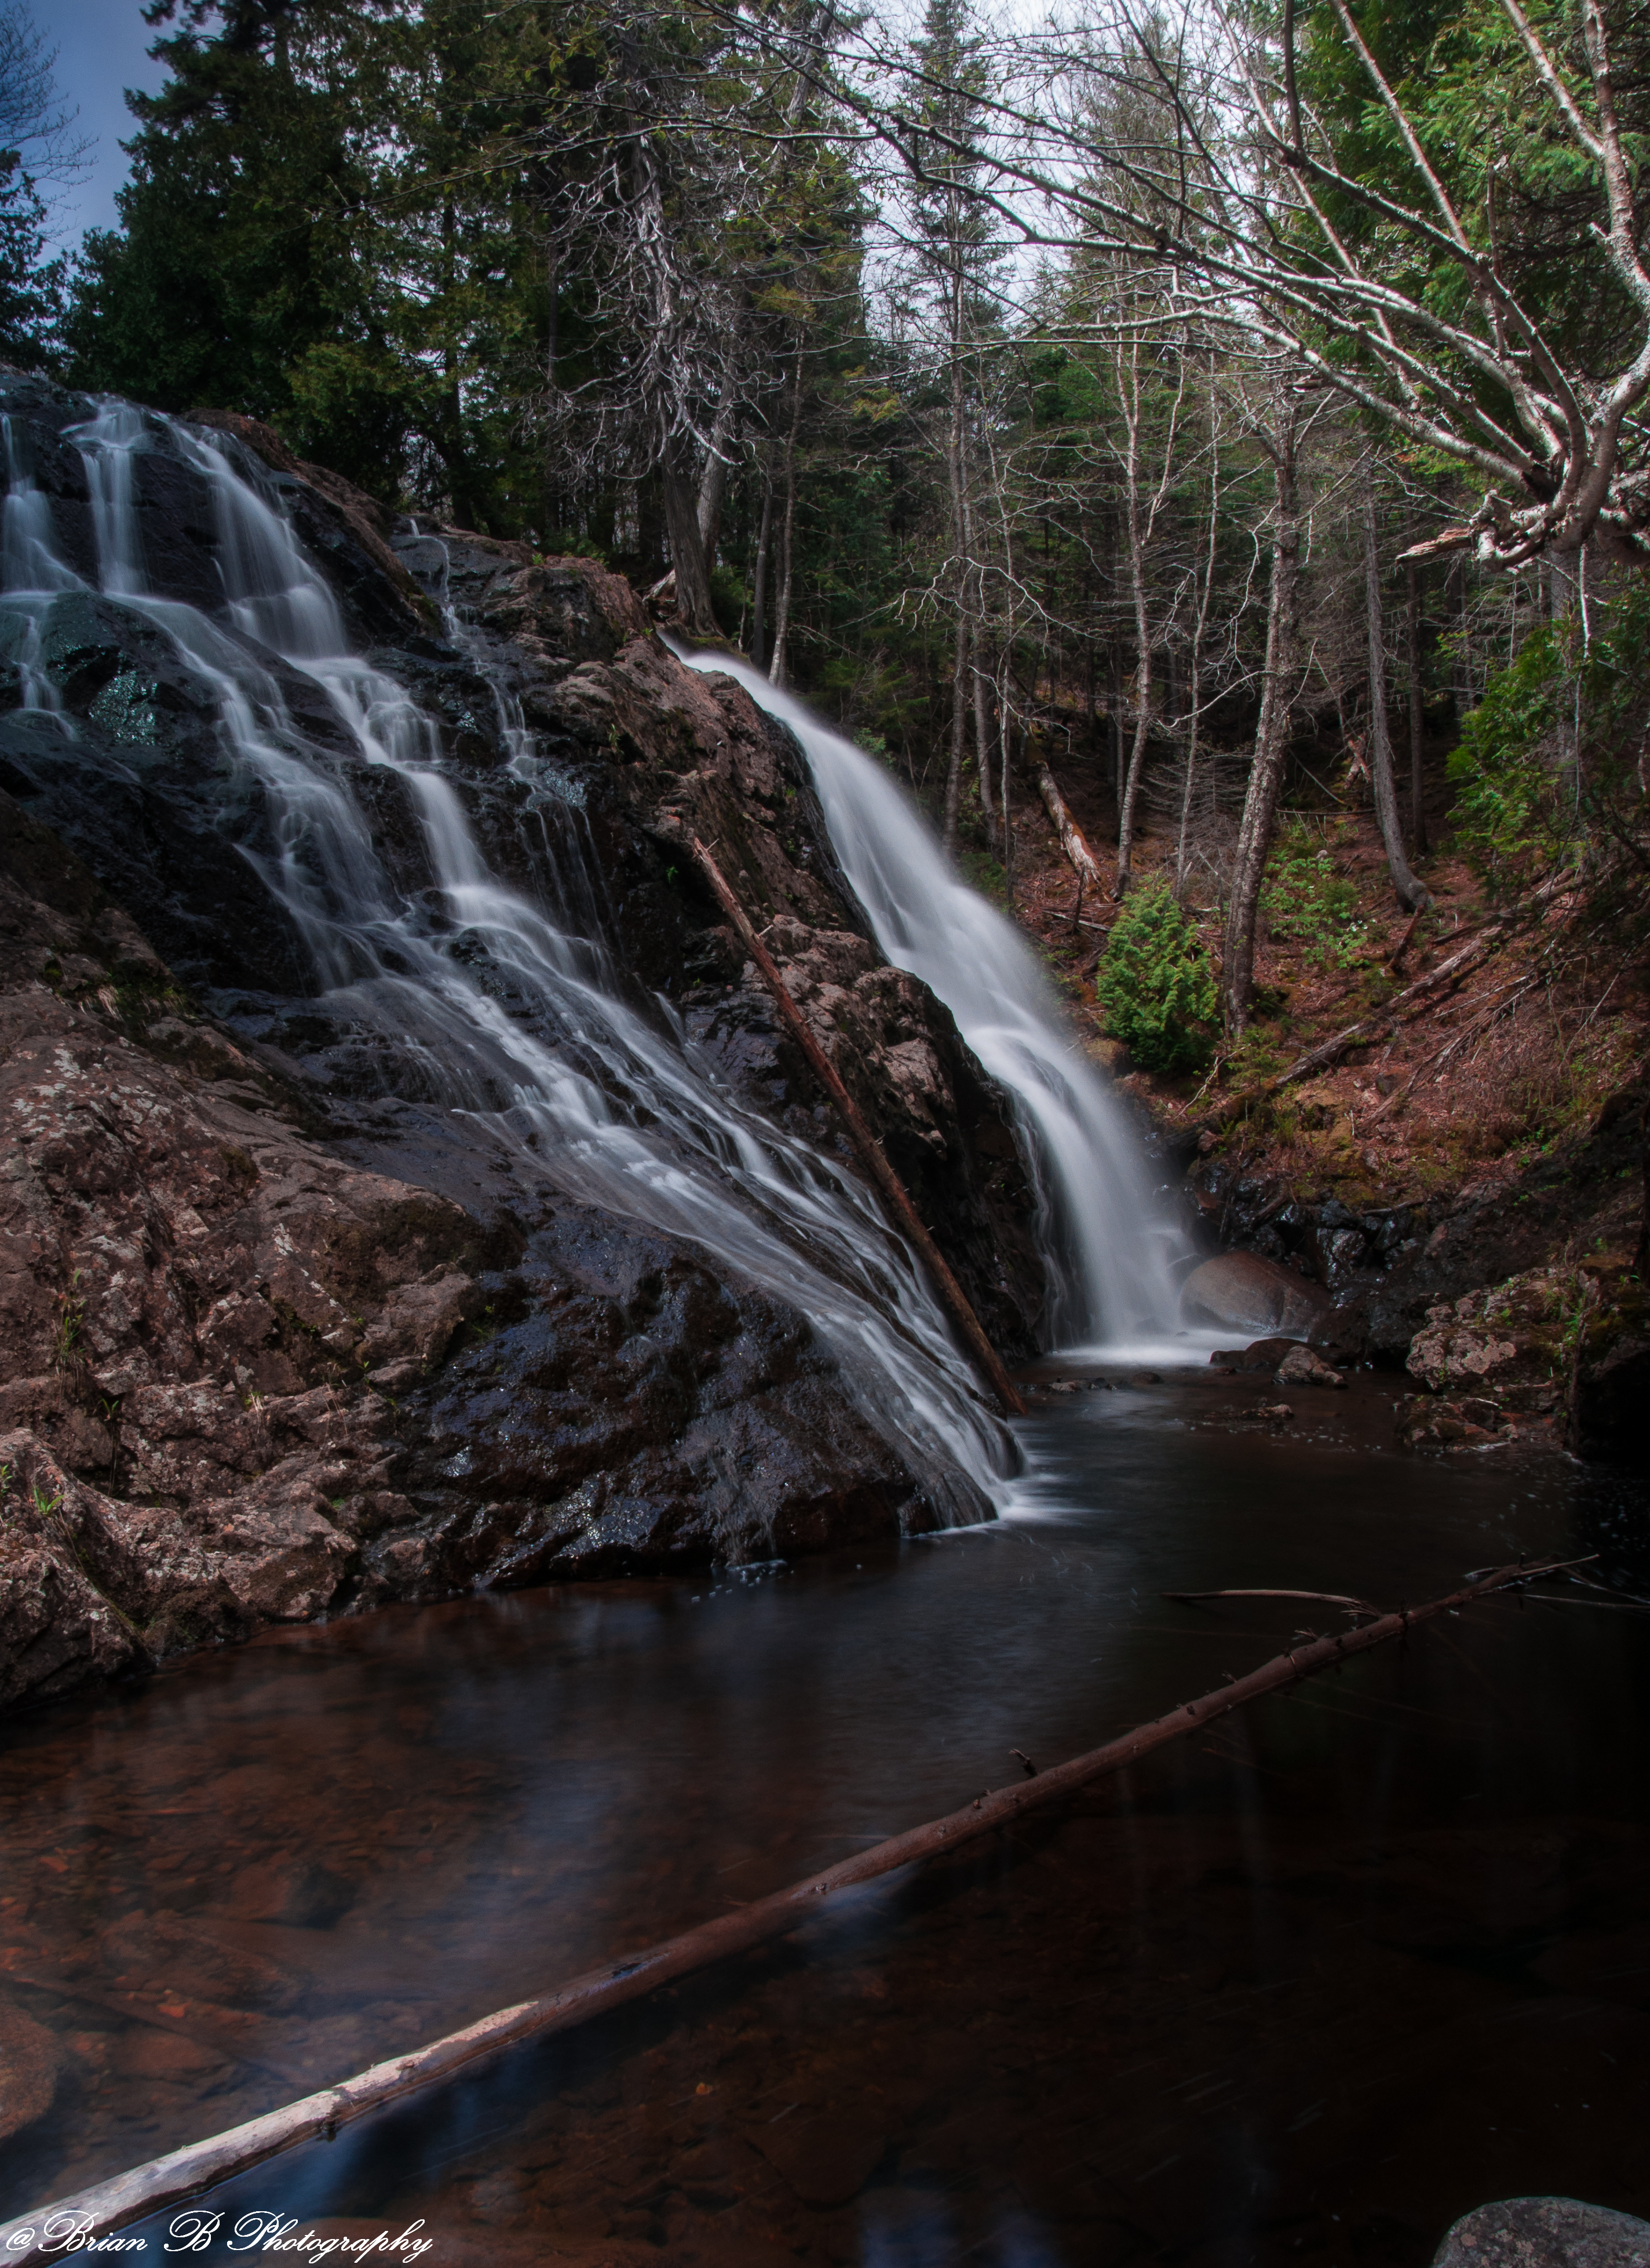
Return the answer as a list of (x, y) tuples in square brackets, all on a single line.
[(1302, 1988)]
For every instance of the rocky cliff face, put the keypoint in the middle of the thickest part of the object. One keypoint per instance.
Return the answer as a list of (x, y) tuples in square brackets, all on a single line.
[(281, 1333)]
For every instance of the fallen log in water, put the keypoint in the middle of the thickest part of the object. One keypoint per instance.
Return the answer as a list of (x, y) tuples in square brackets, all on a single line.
[(184, 2174), (986, 1359)]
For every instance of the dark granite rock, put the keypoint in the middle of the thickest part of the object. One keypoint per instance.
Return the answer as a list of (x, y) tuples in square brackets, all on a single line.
[(1542, 2232)]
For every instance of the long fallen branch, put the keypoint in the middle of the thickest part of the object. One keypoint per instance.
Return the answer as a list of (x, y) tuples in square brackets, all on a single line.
[(870, 1150), (183, 2174)]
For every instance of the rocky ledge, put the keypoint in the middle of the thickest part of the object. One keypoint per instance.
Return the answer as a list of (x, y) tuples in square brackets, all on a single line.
[(1516, 1305), (277, 1338)]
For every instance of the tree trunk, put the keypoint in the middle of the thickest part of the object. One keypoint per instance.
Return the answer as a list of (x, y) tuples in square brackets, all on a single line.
[(1417, 707), (713, 483), (1271, 732), (961, 548), (959, 730), (983, 743), (1200, 624), (1004, 730), (759, 596), (782, 612), (1412, 893), (693, 609)]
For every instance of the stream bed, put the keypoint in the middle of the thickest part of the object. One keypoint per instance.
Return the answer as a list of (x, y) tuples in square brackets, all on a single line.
[(1302, 1988)]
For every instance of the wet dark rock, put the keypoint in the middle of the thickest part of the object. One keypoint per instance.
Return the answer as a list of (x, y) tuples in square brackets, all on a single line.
[(1339, 1335), (1611, 1392), (633, 755), (1451, 1421), (1546, 2231), (1301, 1367), (1261, 1354), (243, 1380), (1247, 1291)]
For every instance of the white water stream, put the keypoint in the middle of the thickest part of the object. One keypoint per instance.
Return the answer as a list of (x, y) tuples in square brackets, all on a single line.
[(601, 1101), (1107, 1238)]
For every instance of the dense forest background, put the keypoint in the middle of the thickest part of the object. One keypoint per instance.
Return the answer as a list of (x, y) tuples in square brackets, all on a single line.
[(1240, 417)]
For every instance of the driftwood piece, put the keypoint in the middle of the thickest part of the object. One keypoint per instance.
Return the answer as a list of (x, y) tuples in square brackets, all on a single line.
[(183, 2174), (1072, 839), (986, 1358)]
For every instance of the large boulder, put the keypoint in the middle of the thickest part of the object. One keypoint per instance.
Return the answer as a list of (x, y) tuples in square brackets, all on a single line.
[(1546, 2231), (1240, 1290), (244, 1380)]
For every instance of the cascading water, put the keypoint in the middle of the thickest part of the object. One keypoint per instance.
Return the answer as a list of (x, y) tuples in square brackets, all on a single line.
[(1109, 1243), (595, 1100)]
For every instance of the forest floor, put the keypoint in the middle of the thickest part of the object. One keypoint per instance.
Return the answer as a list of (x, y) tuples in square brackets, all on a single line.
[(1543, 1038)]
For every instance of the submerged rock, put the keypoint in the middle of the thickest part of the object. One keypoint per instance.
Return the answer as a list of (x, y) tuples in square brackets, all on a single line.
[(1243, 1291), (28, 2071)]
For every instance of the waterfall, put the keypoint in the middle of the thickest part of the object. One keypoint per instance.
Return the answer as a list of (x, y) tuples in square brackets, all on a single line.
[(517, 1021), (1108, 1238)]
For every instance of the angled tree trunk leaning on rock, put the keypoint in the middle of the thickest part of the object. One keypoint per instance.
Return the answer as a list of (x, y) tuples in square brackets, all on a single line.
[(869, 1150)]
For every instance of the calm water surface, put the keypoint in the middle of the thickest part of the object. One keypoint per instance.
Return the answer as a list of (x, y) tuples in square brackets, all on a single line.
[(1302, 1988)]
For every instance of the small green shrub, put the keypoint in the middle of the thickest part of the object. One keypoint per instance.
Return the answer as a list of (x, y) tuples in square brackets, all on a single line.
[(1155, 983)]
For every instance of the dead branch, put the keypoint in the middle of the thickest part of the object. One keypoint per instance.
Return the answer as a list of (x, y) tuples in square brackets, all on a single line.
[(182, 2174), (1402, 945), (1072, 841)]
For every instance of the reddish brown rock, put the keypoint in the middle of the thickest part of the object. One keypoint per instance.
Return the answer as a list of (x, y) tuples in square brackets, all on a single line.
[(1242, 1292)]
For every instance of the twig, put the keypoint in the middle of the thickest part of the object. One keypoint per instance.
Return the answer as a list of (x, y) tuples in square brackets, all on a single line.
[(148, 2188)]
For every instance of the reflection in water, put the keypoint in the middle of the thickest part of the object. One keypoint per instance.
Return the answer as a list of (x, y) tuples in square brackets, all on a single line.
[(1376, 1950)]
